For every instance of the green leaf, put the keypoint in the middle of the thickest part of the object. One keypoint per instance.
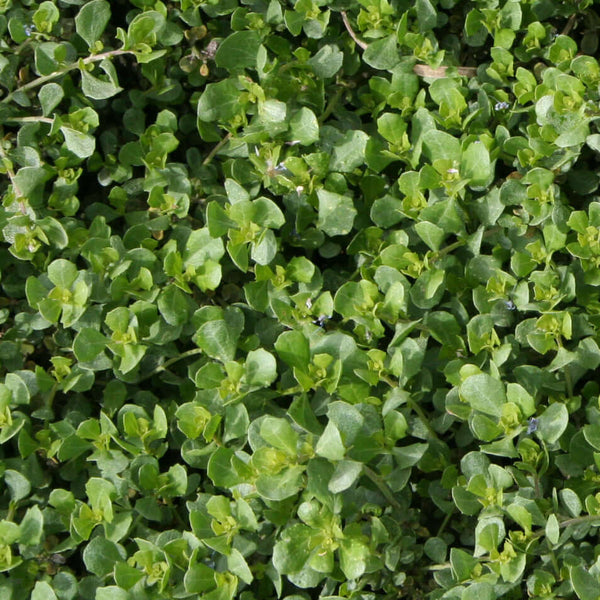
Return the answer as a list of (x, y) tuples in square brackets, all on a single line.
[(219, 101), (552, 423), (348, 153), (436, 549), (484, 393), (475, 164), (198, 578), (101, 555), (354, 554), (173, 306), (217, 340), (281, 486), (345, 474), (426, 15), (552, 529), (304, 127), (327, 61), (408, 456), (88, 344), (462, 563), (238, 51), (571, 501), (43, 591), (32, 527), (292, 549), (96, 88), (111, 592), (479, 591), (330, 443), (220, 469), (18, 485), (438, 145), (92, 19), (260, 368), (279, 433), (62, 273), (387, 211), (80, 144), (584, 583), (431, 234), (50, 96), (237, 564), (382, 54), (336, 213)]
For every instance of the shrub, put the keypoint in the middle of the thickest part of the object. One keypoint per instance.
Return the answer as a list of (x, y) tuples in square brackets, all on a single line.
[(299, 299)]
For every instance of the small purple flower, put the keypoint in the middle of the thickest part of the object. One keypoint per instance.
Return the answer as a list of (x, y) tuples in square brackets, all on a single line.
[(533, 425), (501, 105), (28, 30), (321, 320), (510, 305)]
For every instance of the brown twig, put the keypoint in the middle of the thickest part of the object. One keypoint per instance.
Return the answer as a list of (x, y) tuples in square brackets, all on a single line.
[(570, 24), (440, 72), (349, 29), (420, 70)]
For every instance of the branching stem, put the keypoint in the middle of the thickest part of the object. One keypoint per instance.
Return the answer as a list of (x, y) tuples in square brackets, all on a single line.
[(45, 78), (168, 363), (383, 487), (353, 35), (414, 406), (214, 151), (420, 70)]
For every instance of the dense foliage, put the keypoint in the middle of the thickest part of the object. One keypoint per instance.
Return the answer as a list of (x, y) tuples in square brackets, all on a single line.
[(299, 299)]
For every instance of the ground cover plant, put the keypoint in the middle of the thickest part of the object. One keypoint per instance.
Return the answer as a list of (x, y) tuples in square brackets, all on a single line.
[(299, 299)]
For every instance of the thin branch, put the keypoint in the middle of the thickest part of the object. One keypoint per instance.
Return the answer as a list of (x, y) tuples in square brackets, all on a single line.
[(171, 361), (568, 522), (9, 171), (570, 24), (440, 72), (349, 29), (86, 61), (30, 120), (383, 487), (414, 406), (214, 151), (331, 105), (578, 521), (420, 70)]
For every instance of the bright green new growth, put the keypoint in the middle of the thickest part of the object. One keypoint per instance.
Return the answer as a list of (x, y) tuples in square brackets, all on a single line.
[(299, 299)]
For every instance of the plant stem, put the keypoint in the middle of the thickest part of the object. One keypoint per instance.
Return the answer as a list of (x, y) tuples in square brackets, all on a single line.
[(331, 106), (171, 361), (415, 408), (383, 487), (349, 29), (214, 151), (568, 522), (578, 521), (449, 249), (568, 378), (420, 70), (444, 523), (86, 61), (30, 120), (10, 172)]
